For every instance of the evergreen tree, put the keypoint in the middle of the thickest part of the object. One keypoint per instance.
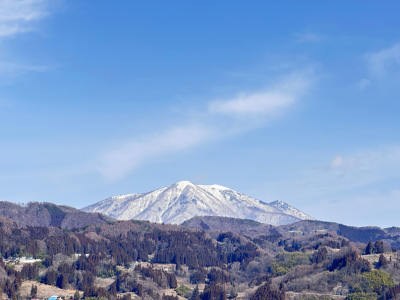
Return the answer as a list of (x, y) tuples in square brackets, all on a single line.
[(223, 296), (113, 288), (369, 248), (378, 247), (48, 261), (64, 281), (34, 291), (282, 288), (140, 290), (382, 261), (77, 296)]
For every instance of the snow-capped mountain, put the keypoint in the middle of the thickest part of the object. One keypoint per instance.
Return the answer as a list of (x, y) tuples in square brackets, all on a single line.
[(184, 200)]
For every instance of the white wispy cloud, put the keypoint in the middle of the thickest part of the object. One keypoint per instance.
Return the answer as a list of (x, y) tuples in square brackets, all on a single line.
[(384, 60), (370, 161), (18, 17), (363, 83), (116, 163), (10, 70), (309, 37), (358, 181), (267, 102), (207, 126), (346, 172)]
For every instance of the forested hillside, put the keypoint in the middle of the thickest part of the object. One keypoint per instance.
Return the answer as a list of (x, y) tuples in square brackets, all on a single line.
[(144, 260), (49, 214), (214, 224)]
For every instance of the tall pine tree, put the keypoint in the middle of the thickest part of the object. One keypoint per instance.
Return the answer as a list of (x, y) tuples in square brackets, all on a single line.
[(369, 248), (34, 291)]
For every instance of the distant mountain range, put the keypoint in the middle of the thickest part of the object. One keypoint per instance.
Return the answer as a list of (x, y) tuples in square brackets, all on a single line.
[(215, 225), (184, 200), (49, 214), (66, 217)]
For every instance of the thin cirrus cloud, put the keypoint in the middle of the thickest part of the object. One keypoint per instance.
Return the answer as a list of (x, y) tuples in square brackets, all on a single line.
[(358, 169), (309, 37), (344, 174), (18, 17), (341, 175), (118, 162), (384, 60), (363, 83), (380, 64)]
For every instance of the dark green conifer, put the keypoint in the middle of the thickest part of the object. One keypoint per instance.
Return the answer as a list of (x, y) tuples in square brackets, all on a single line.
[(77, 296), (369, 248)]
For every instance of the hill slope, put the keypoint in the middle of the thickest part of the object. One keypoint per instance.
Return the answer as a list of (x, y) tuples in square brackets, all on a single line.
[(185, 200), (48, 214)]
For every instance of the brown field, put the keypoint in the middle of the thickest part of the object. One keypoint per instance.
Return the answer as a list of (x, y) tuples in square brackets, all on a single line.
[(45, 291)]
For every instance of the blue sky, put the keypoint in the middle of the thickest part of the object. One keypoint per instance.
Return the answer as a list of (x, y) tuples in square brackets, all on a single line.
[(291, 101)]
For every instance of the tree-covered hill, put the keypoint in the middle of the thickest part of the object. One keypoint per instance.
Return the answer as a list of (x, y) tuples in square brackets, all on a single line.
[(124, 258)]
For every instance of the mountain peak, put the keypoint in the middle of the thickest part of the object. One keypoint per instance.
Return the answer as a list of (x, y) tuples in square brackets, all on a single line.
[(184, 200), (183, 184), (279, 202)]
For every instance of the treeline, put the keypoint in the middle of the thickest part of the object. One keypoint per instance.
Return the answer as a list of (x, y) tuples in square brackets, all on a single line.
[(313, 242), (376, 248), (362, 235), (266, 292), (11, 284), (227, 261), (128, 282), (190, 248)]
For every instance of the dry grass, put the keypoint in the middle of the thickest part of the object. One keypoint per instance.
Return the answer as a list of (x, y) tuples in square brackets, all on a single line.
[(171, 292), (45, 290), (103, 282)]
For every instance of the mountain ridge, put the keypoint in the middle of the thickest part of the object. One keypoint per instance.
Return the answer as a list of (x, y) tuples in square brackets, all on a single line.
[(49, 214), (183, 200)]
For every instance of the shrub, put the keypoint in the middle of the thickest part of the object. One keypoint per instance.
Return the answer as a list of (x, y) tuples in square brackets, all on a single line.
[(362, 296), (182, 290), (285, 261), (379, 278), (106, 273), (40, 264)]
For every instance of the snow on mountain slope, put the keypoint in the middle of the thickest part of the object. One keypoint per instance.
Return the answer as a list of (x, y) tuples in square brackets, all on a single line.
[(111, 205), (290, 210), (184, 200)]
